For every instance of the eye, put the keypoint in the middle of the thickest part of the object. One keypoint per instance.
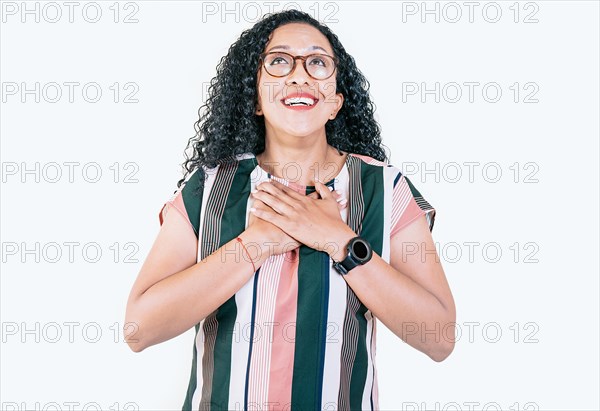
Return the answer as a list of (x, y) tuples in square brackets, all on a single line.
[(321, 60), (318, 61), (277, 59)]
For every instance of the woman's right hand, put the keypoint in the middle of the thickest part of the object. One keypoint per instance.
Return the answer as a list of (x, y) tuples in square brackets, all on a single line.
[(279, 241)]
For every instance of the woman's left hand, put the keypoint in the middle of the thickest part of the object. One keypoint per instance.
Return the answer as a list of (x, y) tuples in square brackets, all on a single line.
[(314, 222)]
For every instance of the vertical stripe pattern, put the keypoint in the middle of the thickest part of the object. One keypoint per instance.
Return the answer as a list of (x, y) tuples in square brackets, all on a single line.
[(295, 336)]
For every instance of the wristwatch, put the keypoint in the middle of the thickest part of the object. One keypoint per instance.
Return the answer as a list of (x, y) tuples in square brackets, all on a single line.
[(359, 253)]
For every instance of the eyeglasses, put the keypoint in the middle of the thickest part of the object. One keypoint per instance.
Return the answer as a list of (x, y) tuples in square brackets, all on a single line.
[(280, 64)]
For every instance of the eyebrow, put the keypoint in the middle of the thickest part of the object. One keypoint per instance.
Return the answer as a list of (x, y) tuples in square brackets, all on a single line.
[(288, 47)]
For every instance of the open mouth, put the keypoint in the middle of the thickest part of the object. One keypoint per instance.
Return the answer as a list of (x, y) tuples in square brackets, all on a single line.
[(299, 101)]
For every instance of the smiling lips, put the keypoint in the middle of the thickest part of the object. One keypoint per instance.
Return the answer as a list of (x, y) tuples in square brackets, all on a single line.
[(300, 101)]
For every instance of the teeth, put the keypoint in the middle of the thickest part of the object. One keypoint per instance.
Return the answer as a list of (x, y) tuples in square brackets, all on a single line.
[(294, 101)]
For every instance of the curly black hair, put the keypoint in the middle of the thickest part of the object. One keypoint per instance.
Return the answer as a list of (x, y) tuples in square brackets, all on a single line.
[(228, 125)]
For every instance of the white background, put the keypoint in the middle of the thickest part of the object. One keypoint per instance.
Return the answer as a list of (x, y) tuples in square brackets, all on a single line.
[(548, 291)]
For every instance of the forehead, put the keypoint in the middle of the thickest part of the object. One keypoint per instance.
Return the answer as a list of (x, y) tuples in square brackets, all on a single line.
[(299, 37)]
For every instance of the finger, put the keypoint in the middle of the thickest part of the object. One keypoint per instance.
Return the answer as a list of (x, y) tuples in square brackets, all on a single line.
[(267, 215), (282, 192), (323, 190), (259, 204), (273, 202), (337, 194)]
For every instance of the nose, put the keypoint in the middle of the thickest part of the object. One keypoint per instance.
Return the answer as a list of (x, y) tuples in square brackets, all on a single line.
[(298, 73)]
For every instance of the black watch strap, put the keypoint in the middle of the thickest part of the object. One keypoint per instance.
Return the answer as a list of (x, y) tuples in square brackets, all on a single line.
[(358, 253)]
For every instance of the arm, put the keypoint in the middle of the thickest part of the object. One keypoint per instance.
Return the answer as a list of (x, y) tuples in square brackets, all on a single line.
[(410, 295), (410, 292), (172, 292)]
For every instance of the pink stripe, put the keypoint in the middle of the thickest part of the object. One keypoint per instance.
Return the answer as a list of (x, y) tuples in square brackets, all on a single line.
[(412, 212), (176, 201), (400, 200), (261, 344), (284, 334)]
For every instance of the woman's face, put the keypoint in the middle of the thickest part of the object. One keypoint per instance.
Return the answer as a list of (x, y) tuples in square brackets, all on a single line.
[(297, 118)]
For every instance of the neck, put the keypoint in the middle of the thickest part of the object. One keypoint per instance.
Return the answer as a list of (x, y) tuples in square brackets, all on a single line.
[(301, 159)]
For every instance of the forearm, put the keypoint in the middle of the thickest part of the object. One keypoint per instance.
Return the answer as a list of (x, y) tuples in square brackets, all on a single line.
[(408, 309), (179, 301)]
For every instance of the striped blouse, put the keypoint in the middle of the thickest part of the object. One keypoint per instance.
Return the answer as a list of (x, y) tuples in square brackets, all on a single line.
[(295, 336)]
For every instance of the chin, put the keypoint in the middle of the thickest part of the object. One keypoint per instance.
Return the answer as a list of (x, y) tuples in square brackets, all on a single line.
[(292, 125), (301, 131), (303, 127)]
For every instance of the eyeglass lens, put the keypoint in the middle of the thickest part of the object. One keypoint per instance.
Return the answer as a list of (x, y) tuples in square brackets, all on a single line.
[(280, 64)]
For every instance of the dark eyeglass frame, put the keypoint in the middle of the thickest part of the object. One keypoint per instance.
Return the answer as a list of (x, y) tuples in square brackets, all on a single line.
[(303, 58)]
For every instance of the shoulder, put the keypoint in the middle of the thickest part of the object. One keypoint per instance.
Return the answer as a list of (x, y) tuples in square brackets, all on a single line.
[(390, 173), (238, 164), (408, 203), (370, 160), (186, 199)]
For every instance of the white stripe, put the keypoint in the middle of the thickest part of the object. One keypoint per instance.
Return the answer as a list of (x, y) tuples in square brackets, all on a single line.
[(374, 360), (338, 290), (389, 174), (240, 346), (199, 354), (366, 400)]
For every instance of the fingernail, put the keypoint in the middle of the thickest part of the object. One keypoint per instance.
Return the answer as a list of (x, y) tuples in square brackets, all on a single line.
[(254, 191), (330, 188), (343, 201), (338, 191)]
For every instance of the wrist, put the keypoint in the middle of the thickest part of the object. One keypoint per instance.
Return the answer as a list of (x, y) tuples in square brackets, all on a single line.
[(253, 240), (339, 252), (358, 252)]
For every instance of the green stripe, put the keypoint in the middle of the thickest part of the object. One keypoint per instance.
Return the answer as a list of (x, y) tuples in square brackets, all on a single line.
[(187, 404), (421, 202), (232, 224), (308, 355), (373, 196), (358, 376), (192, 199), (413, 189), (372, 230)]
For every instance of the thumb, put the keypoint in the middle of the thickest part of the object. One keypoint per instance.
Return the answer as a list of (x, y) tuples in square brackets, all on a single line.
[(322, 189)]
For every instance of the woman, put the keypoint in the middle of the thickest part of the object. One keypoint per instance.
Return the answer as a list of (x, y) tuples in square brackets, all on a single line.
[(290, 235)]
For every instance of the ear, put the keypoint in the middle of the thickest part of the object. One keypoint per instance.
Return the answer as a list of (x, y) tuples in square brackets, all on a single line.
[(339, 102), (258, 110)]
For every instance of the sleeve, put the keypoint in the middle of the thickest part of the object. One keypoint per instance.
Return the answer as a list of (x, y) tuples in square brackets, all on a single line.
[(187, 201), (174, 202), (408, 204)]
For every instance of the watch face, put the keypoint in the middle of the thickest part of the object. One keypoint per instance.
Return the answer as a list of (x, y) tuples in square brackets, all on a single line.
[(361, 250)]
